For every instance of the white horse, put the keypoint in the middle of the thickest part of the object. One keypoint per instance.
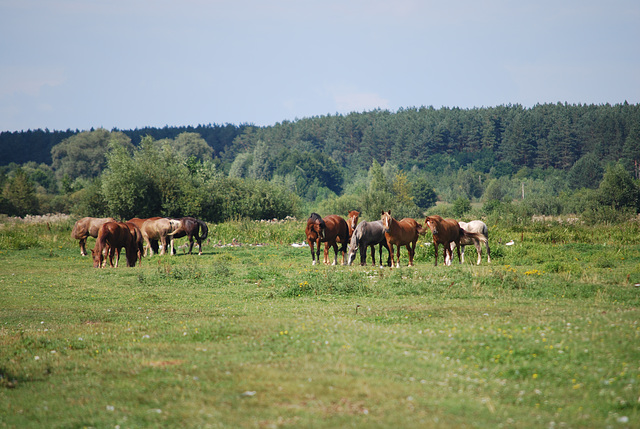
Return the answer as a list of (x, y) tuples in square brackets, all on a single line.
[(474, 226)]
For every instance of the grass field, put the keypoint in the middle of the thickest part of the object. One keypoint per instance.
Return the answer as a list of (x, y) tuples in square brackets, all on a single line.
[(547, 336)]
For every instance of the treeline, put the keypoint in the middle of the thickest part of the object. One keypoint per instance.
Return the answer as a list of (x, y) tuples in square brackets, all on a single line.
[(20, 147), (552, 158)]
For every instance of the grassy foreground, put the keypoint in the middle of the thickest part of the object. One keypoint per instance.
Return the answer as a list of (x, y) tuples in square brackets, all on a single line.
[(548, 335)]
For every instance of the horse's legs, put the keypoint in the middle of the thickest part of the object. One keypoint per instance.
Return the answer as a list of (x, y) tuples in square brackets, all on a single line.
[(171, 245), (83, 249), (435, 250), (462, 246), (313, 255), (398, 255), (363, 254), (163, 245), (459, 256), (476, 244), (391, 255), (335, 253), (488, 251)]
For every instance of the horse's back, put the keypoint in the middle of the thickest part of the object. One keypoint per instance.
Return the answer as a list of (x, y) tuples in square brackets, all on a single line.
[(337, 227), (374, 231)]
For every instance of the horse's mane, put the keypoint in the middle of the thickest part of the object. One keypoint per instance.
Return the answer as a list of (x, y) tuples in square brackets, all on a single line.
[(315, 217)]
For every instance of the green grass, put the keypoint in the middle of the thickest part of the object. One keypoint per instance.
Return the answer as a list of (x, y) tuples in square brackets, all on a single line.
[(548, 335)]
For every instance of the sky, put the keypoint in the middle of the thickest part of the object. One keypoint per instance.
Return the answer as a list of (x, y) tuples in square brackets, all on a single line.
[(126, 64)]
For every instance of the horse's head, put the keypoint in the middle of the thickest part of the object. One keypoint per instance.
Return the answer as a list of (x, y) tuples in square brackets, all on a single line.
[(354, 244), (353, 219), (432, 223), (96, 255), (386, 220)]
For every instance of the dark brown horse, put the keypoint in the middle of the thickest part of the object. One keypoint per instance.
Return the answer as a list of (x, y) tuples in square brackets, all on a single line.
[(330, 230), (447, 231), (88, 227), (114, 236), (401, 233), (191, 227)]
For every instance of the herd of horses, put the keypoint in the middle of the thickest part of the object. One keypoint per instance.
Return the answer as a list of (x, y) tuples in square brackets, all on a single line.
[(389, 233), (142, 237), (139, 237)]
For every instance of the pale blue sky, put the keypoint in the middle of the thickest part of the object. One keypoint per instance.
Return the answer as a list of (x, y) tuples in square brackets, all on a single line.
[(136, 63)]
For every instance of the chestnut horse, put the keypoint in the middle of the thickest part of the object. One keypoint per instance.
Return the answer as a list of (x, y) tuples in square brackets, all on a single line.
[(352, 221), (137, 238), (88, 227), (447, 231), (190, 228), (401, 233), (331, 230), (159, 229), (114, 236)]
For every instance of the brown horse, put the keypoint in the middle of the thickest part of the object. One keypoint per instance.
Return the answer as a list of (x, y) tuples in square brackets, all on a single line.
[(114, 236), (161, 230), (88, 227), (138, 222), (447, 231), (401, 233), (331, 230), (137, 238), (352, 221), (190, 228)]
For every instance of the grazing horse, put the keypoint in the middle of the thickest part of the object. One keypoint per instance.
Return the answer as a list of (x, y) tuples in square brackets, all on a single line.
[(329, 230), (368, 234), (137, 238), (446, 231), (352, 221), (113, 236), (138, 222), (401, 233), (191, 228), (88, 227), (159, 229), (474, 226)]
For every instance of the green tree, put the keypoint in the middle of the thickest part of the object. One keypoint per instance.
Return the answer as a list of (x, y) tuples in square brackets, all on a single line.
[(617, 188), (461, 206), (85, 154), (20, 194), (240, 166), (260, 168), (423, 194), (192, 144), (585, 173)]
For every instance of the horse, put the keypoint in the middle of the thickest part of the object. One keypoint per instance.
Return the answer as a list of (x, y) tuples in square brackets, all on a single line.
[(136, 233), (329, 230), (446, 231), (352, 221), (113, 236), (138, 222), (401, 233), (474, 226), (368, 234), (88, 227), (191, 228), (159, 229)]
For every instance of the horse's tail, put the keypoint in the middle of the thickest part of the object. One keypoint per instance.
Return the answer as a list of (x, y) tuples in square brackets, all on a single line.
[(204, 228), (473, 235)]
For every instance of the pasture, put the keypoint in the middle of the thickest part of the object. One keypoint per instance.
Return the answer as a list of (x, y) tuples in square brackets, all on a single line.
[(547, 335)]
